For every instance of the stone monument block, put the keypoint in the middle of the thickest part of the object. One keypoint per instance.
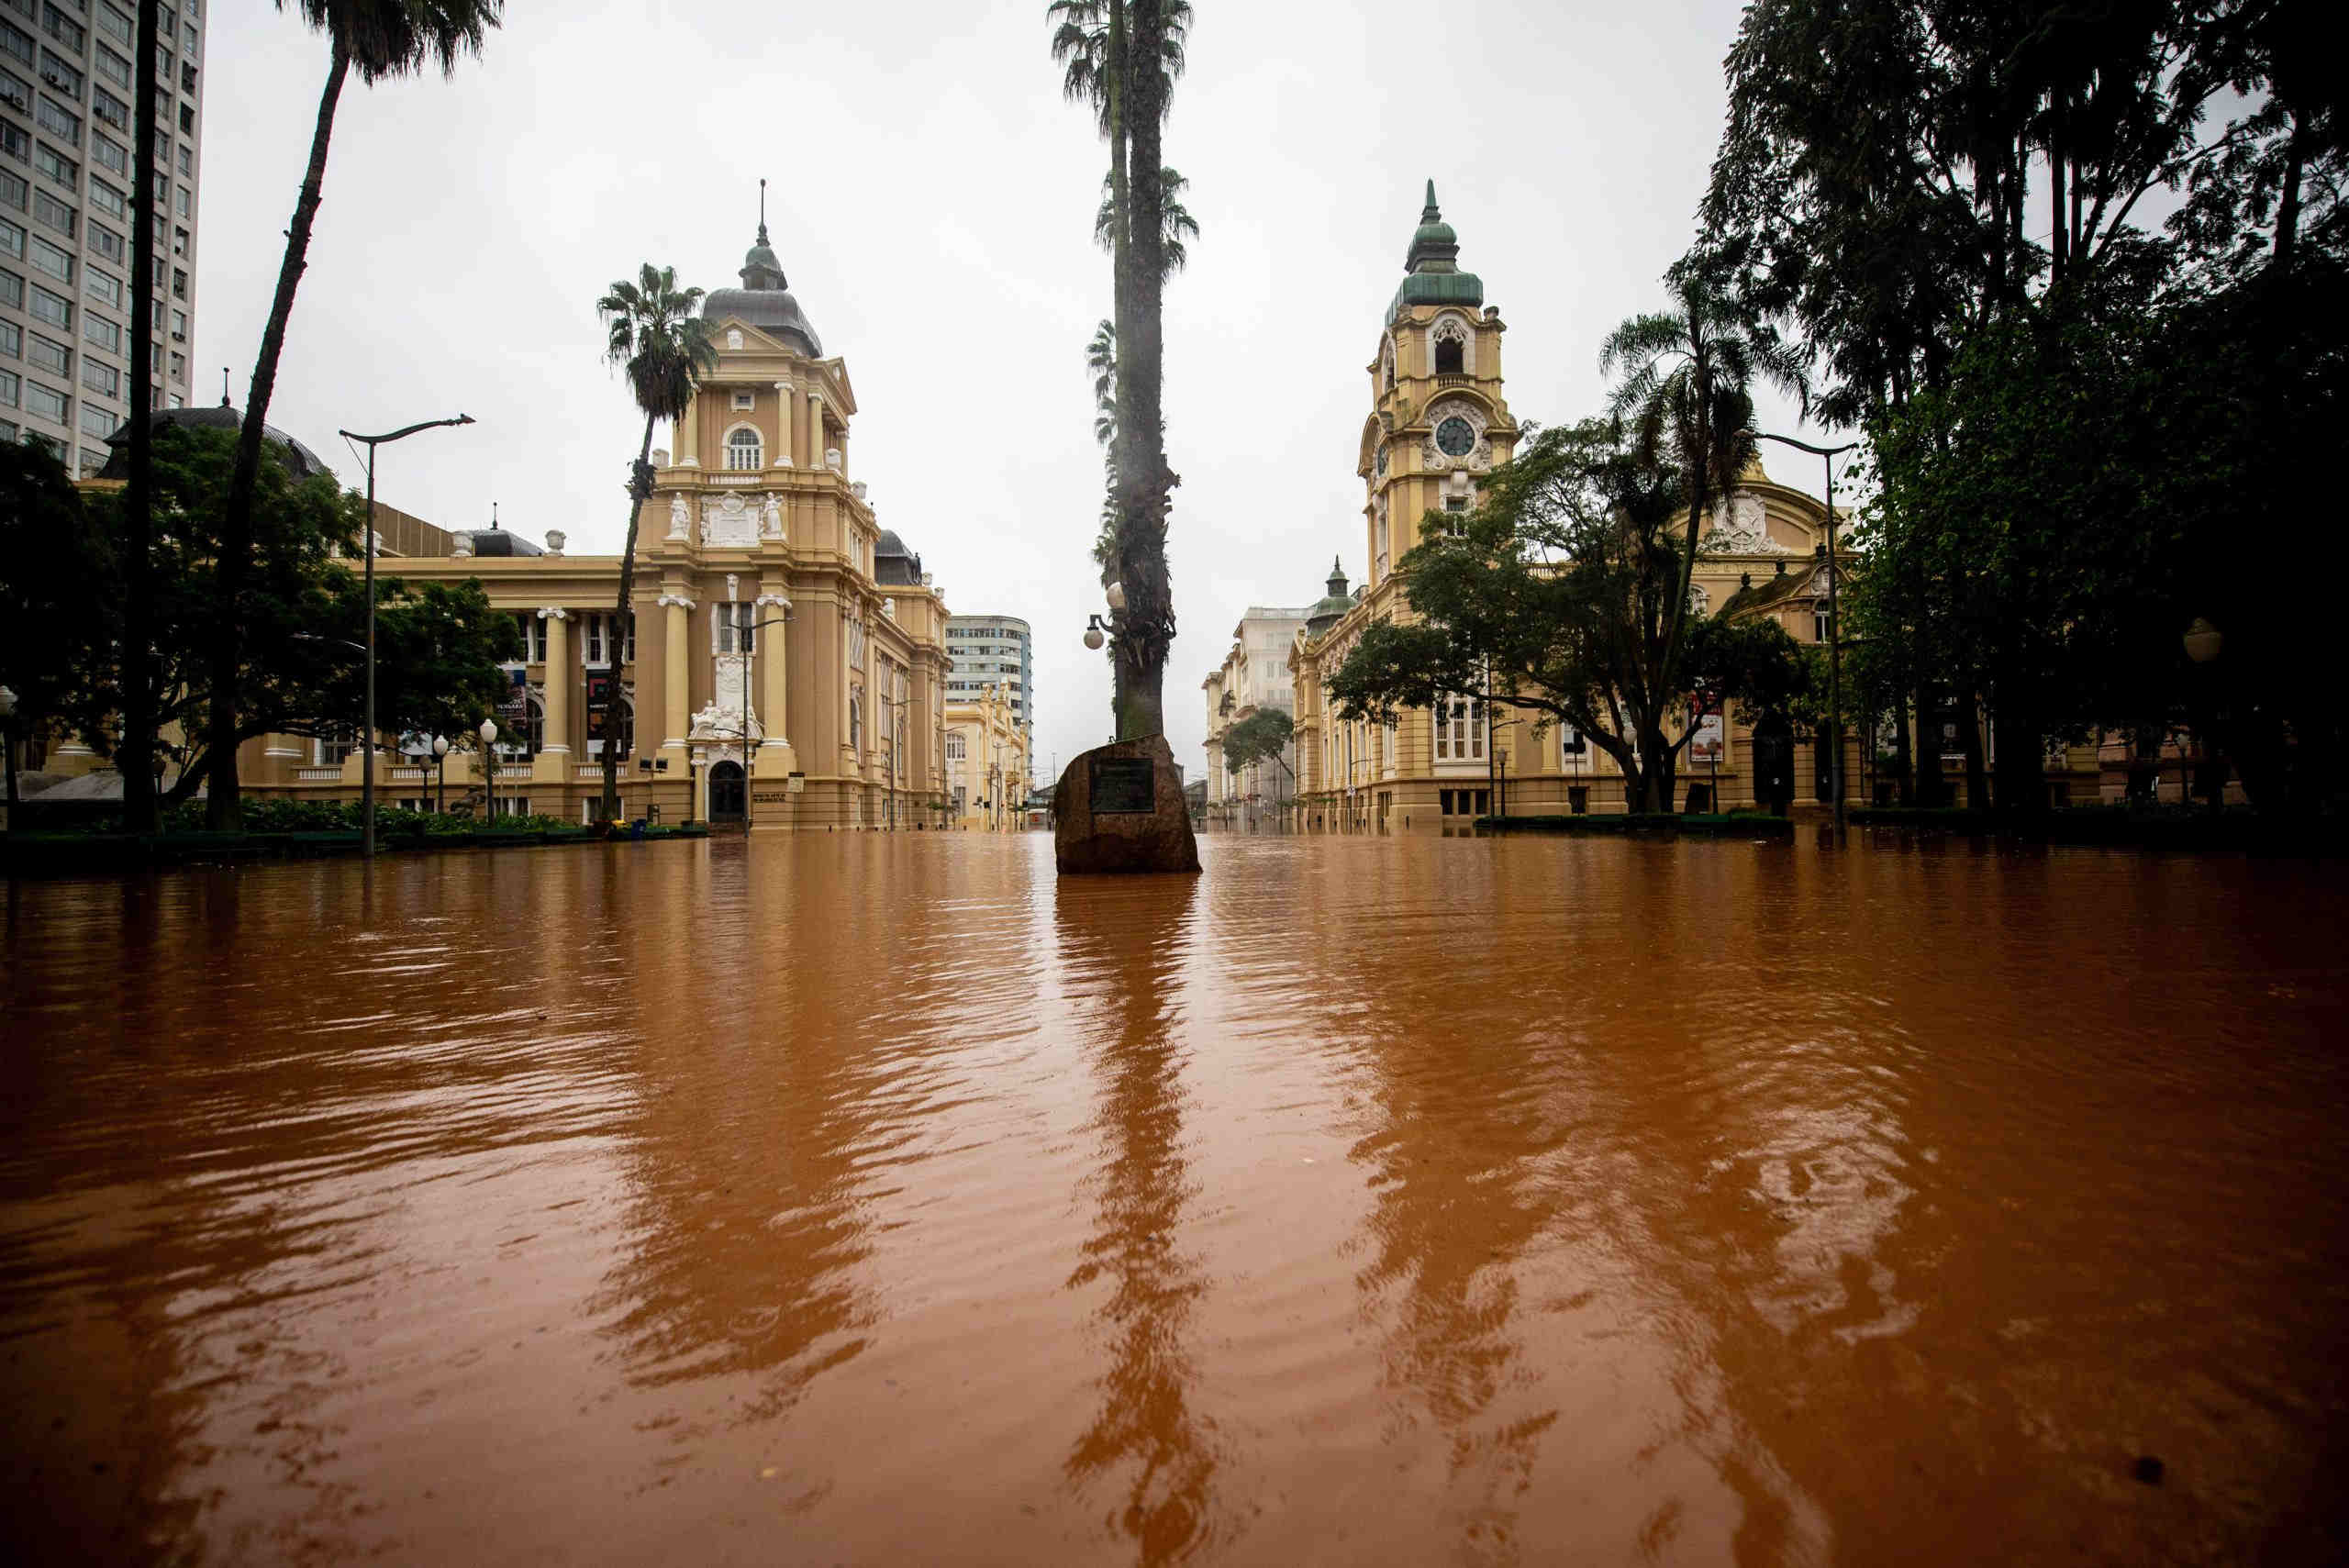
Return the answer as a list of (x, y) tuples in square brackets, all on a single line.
[(1119, 809)]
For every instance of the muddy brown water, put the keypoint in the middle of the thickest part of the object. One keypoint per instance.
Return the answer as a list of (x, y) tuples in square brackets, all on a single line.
[(885, 1200)]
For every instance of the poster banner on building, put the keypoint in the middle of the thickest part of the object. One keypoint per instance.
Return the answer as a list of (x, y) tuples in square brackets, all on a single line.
[(600, 690), (515, 707), (1707, 745)]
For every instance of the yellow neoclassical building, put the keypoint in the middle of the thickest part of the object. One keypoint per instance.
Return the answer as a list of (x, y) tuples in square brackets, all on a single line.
[(986, 760), (786, 657), (1438, 424)]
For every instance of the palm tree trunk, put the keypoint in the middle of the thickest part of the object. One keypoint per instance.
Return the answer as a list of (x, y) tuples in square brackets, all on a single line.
[(225, 812), (618, 633), (2288, 202), (142, 812), (1121, 455), (1143, 481)]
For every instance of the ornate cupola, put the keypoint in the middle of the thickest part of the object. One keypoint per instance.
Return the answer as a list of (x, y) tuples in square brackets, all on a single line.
[(1432, 267), (764, 299), (1334, 606)]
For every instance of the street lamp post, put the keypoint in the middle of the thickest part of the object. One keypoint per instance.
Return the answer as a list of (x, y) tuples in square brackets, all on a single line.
[(441, 766), (367, 731), (488, 733), (1827, 455), (745, 643)]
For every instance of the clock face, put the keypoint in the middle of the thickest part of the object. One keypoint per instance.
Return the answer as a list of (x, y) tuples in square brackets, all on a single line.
[(1455, 437)]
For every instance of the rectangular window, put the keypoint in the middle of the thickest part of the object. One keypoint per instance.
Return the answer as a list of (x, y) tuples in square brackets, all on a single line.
[(110, 246), (48, 209), (534, 637), (187, 120), (111, 110), (15, 191), (102, 286), (187, 160), (12, 238), (1820, 631), (114, 68), (50, 354), (12, 337), (182, 203), (100, 377), (64, 28), (54, 260), (179, 366), (179, 239), (61, 76), (97, 421), (55, 309), (187, 78), (102, 332), (1459, 730), (16, 142), (45, 401), (11, 388), (110, 154), (16, 43), (16, 92), (116, 26), (178, 283), (179, 325), (12, 289), (55, 165)]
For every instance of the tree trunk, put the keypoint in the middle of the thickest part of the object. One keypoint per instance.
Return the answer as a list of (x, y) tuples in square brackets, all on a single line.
[(1933, 784), (1970, 729), (2021, 777), (1147, 626), (640, 478), (225, 813), (141, 812), (1903, 769), (2288, 202)]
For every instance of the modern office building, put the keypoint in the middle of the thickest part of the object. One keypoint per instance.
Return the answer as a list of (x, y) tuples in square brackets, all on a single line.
[(65, 185), (986, 650)]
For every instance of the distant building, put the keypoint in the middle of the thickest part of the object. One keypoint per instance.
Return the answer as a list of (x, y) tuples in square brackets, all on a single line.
[(986, 650), (65, 185), (1254, 676), (986, 764)]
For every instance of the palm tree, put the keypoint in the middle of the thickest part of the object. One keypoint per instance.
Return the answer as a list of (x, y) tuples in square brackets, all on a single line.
[(1178, 227), (1123, 57), (662, 345), (379, 39), (1686, 393)]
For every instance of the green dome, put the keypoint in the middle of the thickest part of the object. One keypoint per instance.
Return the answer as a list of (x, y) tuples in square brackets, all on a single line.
[(1433, 267), (1330, 610)]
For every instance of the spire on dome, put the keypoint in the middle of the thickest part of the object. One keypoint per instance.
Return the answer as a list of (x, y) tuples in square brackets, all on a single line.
[(1431, 268), (1428, 214), (761, 269), (763, 208)]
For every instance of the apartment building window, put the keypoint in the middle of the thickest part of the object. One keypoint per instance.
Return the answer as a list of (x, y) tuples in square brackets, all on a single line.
[(16, 43), (110, 154), (55, 309), (179, 366), (64, 28), (53, 259), (15, 191), (47, 353), (54, 165), (16, 92), (12, 289), (179, 239), (114, 68), (12, 238), (12, 340), (178, 283), (47, 402), (116, 26), (103, 287), (179, 325), (12, 389), (187, 121), (13, 141), (182, 203), (97, 421), (187, 78), (49, 444), (101, 378), (187, 160), (109, 245), (109, 109), (59, 76)]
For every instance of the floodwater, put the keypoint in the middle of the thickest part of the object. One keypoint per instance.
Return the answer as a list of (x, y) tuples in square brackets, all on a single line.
[(885, 1200)]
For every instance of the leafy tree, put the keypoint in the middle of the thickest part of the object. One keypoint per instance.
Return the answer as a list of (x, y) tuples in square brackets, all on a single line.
[(1262, 736), (53, 559), (1563, 593), (379, 39), (657, 339), (1121, 57), (300, 611)]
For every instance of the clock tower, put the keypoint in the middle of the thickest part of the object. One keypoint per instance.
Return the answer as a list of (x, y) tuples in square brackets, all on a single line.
[(1438, 422)]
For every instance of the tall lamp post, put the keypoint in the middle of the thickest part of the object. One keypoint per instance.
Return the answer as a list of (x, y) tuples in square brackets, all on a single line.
[(367, 731), (746, 642), (441, 767), (1827, 455), (488, 733)]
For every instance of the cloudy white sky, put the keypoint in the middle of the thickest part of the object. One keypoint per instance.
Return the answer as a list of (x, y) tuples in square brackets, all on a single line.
[(931, 198)]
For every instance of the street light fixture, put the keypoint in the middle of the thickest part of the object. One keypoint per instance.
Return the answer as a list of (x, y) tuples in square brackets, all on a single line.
[(1093, 636), (367, 731), (744, 643), (1827, 455), (441, 765), (488, 733)]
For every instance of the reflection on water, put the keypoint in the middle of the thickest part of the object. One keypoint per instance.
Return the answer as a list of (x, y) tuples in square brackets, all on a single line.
[(884, 1199)]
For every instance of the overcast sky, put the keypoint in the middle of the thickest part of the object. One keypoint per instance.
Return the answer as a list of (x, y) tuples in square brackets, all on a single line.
[(931, 198)]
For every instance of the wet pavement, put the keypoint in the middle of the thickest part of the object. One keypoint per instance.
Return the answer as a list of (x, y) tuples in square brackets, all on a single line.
[(884, 1199)]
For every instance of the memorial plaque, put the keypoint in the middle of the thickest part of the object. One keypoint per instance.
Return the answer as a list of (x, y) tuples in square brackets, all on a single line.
[(1123, 786)]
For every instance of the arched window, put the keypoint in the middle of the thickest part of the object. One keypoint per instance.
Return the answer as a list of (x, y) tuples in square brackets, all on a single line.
[(1387, 365), (855, 725), (744, 451), (1451, 339)]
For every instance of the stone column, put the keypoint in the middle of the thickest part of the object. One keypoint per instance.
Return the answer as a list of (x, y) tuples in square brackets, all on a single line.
[(815, 454), (689, 435), (774, 748), (676, 717), (552, 765), (782, 423)]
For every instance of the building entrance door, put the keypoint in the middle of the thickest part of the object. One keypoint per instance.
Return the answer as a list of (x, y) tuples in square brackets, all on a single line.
[(726, 793)]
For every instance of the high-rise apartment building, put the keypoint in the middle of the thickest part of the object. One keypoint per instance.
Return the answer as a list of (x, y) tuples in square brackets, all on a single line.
[(66, 96), (985, 650)]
